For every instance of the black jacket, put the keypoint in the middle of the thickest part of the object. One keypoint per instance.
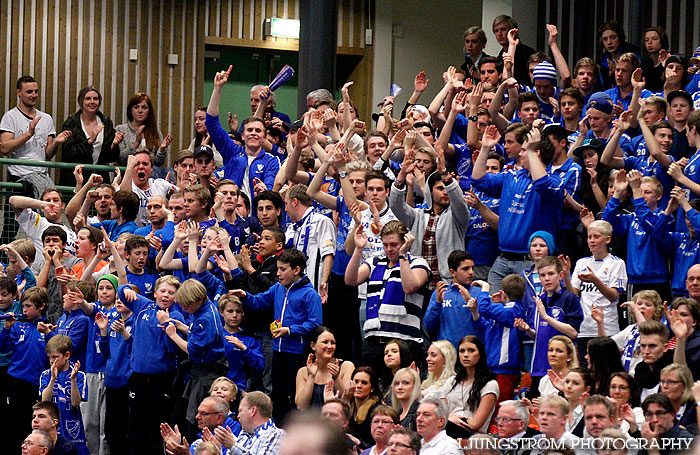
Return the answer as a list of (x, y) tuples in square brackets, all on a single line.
[(77, 150)]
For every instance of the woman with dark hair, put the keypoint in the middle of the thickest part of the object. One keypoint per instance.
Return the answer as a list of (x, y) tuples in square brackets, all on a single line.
[(612, 37), (625, 391), (201, 136), (142, 131), (365, 397), (656, 47), (93, 140), (472, 394), (603, 358), (397, 355), (577, 384), (321, 370), (86, 244)]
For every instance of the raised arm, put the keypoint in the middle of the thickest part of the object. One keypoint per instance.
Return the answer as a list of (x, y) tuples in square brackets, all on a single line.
[(651, 142), (610, 156), (559, 60), (219, 81), (490, 138)]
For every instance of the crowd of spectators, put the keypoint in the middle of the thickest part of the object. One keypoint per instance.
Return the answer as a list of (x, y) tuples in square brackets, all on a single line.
[(515, 258)]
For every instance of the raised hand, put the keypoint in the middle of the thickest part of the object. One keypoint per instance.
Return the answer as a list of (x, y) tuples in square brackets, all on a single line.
[(553, 35), (78, 174), (520, 324), (96, 132), (360, 238), (597, 314), (440, 291), (232, 122), (459, 103), (638, 81), (408, 241), (221, 77), (513, 37), (63, 136), (74, 372), (491, 137), (33, 123), (420, 83)]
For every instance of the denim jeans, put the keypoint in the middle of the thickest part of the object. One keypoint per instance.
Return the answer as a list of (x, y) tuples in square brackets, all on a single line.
[(503, 267)]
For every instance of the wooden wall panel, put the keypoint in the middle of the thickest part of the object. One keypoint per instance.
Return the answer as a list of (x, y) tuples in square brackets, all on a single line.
[(67, 44)]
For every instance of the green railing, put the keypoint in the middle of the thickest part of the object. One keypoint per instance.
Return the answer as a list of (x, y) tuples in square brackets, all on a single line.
[(8, 189)]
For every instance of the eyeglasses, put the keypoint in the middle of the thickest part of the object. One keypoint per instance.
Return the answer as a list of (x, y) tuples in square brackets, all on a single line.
[(398, 444), (656, 414), (204, 414), (505, 419), (28, 443), (669, 382)]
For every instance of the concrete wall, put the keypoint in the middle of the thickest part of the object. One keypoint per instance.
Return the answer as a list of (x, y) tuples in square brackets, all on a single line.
[(418, 35)]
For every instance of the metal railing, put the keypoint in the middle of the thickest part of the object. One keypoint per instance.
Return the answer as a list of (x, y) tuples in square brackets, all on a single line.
[(8, 189)]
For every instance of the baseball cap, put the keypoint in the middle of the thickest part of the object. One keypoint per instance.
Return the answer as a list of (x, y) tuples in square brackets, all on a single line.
[(204, 150), (592, 143), (695, 59), (676, 58), (600, 101), (682, 93), (555, 128)]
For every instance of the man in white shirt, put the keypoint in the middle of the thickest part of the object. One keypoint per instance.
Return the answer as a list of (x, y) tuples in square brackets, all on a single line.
[(554, 412), (431, 419), (313, 234), (137, 176), (26, 133)]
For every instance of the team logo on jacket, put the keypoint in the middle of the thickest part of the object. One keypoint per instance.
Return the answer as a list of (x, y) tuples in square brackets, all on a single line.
[(73, 428), (261, 167)]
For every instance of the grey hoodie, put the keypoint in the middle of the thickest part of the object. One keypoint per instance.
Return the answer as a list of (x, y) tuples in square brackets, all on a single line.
[(451, 226)]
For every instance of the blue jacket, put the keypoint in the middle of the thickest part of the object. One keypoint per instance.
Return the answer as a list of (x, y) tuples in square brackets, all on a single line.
[(15, 308), (685, 249), (526, 206), (205, 337), (263, 167), (503, 342), (562, 306), (95, 361), (240, 230), (647, 264), (153, 352), (28, 348), (298, 308), (75, 325), (239, 361), (451, 319), (117, 351), (114, 230), (481, 238), (570, 175)]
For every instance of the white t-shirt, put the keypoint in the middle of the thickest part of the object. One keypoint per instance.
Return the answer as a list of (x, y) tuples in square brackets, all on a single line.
[(14, 121), (315, 237), (458, 395), (374, 240), (245, 187), (613, 273), (156, 187), (34, 225)]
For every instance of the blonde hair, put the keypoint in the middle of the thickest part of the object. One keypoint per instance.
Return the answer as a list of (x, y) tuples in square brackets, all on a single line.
[(450, 353), (415, 395), (206, 448), (191, 292), (24, 247), (167, 280), (601, 226), (428, 151), (60, 344), (658, 188), (570, 349), (233, 385), (654, 298), (557, 401), (684, 375), (227, 299)]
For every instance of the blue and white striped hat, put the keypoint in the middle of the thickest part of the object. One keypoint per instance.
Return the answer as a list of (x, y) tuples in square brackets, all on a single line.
[(545, 70)]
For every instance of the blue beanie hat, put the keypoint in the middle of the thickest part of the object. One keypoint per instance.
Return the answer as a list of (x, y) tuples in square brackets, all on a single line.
[(544, 70), (548, 239)]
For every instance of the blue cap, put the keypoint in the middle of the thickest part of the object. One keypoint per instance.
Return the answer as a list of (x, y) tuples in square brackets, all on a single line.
[(548, 239), (600, 101)]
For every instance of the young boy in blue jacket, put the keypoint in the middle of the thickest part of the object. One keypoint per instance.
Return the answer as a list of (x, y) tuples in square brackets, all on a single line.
[(494, 319), (684, 245), (27, 361), (558, 312), (297, 312), (74, 323), (8, 304), (64, 385), (154, 361), (243, 351), (447, 312), (115, 342), (136, 254), (204, 346)]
